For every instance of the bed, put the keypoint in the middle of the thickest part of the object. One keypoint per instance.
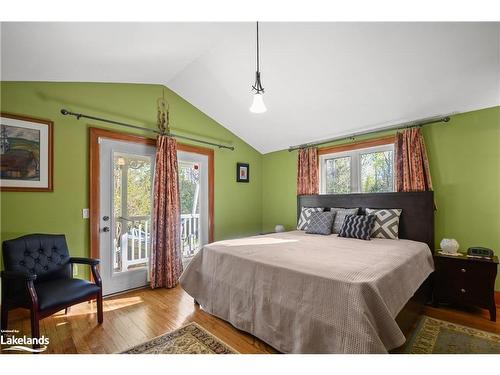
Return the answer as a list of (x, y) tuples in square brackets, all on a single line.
[(304, 293)]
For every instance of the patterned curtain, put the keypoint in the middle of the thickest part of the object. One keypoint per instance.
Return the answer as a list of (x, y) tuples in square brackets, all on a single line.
[(166, 259), (307, 171), (412, 165)]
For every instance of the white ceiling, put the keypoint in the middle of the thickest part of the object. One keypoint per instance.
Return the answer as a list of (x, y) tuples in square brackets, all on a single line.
[(322, 80)]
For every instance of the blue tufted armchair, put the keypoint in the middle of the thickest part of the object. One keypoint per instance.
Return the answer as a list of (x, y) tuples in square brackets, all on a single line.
[(38, 276)]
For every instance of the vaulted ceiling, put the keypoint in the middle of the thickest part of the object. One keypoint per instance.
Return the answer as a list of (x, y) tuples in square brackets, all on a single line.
[(322, 80)]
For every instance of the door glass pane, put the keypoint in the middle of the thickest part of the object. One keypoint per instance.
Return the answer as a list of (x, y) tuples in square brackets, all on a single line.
[(131, 211), (189, 185), (338, 175), (377, 172)]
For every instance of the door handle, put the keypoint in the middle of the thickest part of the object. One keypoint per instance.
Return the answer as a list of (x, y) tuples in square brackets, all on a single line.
[(105, 229)]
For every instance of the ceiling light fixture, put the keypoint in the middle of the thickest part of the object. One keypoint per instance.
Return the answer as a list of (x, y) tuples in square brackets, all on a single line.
[(258, 105)]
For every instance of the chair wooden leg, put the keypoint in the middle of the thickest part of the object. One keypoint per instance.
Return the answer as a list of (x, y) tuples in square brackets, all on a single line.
[(35, 326), (5, 318), (100, 317)]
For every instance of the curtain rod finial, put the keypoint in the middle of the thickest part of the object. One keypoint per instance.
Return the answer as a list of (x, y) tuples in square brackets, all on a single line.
[(64, 111)]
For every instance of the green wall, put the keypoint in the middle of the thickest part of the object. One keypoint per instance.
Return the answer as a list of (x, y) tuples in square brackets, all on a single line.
[(238, 208), (464, 157)]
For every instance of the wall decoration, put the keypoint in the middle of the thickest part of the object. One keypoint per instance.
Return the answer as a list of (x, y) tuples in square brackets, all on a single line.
[(26, 153), (242, 172)]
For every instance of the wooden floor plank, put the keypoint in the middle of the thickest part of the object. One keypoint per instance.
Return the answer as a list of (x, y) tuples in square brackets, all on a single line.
[(134, 317), (470, 317)]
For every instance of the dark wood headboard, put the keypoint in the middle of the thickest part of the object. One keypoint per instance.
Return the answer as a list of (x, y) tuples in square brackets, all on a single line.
[(417, 219)]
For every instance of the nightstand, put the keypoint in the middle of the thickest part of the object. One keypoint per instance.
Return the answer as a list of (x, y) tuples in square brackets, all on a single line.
[(465, 281)]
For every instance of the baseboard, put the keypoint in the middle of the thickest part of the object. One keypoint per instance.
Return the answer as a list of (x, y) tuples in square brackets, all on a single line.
[(497, 298), (126, 291)]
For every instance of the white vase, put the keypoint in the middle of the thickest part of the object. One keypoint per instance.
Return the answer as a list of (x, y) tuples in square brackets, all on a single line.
[(449, 245), (279, 228)]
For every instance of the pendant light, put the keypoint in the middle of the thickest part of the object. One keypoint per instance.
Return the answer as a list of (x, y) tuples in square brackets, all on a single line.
[(258, 105)]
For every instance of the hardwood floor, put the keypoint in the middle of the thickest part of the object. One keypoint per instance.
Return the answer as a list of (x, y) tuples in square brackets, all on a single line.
[(134, 317), (470, 317), (130, 319)]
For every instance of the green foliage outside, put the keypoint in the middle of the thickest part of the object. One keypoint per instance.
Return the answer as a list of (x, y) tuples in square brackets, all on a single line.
[(338, 175), (139, 179), (189, 178), (376, 173)]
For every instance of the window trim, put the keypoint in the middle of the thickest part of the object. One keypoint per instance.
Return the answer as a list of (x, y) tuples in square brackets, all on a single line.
[(357, 145), (353, 150)]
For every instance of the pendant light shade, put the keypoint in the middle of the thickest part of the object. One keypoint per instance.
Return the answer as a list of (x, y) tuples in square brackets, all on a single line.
[(258, 105)]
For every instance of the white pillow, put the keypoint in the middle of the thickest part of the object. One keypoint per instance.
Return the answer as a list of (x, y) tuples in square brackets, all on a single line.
[(305, 216), (386, 222)]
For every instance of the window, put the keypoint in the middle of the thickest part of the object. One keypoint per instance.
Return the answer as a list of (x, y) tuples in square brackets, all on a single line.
[(363, 170)]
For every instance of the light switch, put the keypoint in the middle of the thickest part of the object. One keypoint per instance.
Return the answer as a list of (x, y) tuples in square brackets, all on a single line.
[(85, 213)]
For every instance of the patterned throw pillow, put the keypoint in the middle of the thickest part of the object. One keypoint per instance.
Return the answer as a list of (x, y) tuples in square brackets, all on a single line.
[(305, 215), (386, 222), (320, 223), (357, 226), (340, 214)]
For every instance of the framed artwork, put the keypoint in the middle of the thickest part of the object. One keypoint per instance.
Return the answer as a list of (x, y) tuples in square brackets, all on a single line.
[(242, 172), (26, 153)]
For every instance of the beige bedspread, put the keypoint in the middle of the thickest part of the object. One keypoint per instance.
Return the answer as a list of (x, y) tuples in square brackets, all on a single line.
[(304, 293)]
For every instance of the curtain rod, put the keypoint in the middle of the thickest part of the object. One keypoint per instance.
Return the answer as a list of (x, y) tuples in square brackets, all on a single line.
[(419, 123), (78, 116)]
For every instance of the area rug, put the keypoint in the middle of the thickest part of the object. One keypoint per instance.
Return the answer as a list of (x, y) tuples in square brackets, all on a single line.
[(189, 339), (434, 336)]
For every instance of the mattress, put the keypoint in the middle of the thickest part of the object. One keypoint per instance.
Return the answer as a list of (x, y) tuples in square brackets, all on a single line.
[(305, 293)]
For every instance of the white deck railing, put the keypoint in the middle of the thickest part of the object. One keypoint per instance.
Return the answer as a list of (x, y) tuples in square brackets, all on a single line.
[(190, 234), (133, 244), (132, 247)]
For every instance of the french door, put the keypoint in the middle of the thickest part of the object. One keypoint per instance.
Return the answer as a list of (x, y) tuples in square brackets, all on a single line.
[(121, 182), (126, 181)]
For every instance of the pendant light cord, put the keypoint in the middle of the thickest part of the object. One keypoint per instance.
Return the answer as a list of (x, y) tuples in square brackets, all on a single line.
[(258, 104), (258, 68), (258, 85)]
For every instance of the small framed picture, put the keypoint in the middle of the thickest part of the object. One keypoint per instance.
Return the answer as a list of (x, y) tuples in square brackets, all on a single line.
[(25, 153), (242, 172)]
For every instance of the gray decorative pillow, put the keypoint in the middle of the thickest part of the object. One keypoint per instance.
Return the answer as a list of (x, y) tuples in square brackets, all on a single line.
[(386, 222), (305, 215), (357, 226), (340, 214), (320, 223)]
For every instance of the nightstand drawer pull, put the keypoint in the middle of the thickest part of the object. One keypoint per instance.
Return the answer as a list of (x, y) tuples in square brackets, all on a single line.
[(463, 270), (462, 290)]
